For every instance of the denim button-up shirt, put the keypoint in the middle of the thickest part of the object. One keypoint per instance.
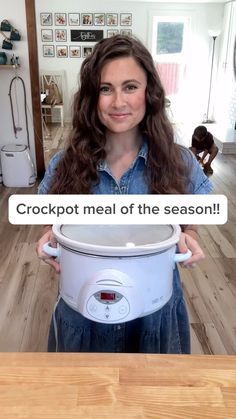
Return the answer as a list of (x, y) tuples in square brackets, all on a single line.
[(134, 180)]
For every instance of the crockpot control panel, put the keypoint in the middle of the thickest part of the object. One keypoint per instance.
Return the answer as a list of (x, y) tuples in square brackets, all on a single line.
[(108, 306), (110, 296)]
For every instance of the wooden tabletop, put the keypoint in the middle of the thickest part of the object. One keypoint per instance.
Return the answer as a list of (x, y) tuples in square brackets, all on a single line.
[(107, 386)]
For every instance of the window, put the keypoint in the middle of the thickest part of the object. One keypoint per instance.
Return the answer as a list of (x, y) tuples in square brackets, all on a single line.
[(169, 38), (169, 50)]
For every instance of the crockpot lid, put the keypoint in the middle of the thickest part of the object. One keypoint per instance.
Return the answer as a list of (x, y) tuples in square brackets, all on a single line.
[(117, 235)]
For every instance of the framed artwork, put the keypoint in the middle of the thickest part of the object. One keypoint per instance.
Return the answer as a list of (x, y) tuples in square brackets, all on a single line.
[(87, 51), (48, 51), (112, 19), (74, 19), (61, 51), (46, 35), (60, 35), (46, 19), (99, 19), (74, 51), (126, 19), (60, 19), (112, 32), (126, 32), (86, 19)]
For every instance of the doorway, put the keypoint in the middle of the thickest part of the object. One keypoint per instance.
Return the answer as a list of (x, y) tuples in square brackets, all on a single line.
[(35, 89)]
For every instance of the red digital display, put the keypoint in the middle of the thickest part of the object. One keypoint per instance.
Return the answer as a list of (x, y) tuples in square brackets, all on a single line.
[(110, 296)]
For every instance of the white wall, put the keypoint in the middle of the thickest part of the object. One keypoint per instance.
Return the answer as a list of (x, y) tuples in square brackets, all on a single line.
[(71, 66), (226, 86), (203, 17), (14, 11)]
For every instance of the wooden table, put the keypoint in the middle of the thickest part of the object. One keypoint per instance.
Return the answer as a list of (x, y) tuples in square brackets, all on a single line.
[(116, 386)]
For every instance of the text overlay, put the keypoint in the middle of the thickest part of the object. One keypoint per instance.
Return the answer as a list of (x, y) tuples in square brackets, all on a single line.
[(118, 209)]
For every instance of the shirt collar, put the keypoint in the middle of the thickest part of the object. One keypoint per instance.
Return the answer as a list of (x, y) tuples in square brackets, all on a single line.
[(143, 152)]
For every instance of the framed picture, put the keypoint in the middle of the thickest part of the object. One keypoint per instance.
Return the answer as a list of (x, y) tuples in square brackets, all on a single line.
[(112, 32), (46, 19), (60, 19), (112, 19), (87, 51), (99, 19), (126, 32), (126, 19), (86, 19), (61, 51), (60, 35), (74, 51), (46, 35), (74, 19), (48, 51)]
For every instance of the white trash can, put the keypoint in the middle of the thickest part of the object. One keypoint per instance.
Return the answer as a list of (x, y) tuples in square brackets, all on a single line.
[(17, 166)]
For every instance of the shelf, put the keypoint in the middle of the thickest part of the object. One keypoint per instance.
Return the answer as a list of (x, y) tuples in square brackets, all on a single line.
[(9, 65)]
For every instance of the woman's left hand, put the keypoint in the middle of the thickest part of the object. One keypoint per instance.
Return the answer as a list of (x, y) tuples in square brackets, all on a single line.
[(187, 242)]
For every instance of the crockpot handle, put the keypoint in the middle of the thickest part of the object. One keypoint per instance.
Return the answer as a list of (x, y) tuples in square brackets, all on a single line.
[(181, 257), (51, 251)]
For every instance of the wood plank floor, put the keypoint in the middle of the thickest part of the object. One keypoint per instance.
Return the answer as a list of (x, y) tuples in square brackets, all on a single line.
[(28, 287)]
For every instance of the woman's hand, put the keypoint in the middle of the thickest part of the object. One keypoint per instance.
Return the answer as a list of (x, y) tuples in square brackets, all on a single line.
[(47, 237), (187, 242)]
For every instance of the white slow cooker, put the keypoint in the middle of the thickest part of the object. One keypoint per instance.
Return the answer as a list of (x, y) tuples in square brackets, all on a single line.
[(116, 273)]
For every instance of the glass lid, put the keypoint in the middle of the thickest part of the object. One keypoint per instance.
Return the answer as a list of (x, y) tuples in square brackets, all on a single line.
[(118, 235)]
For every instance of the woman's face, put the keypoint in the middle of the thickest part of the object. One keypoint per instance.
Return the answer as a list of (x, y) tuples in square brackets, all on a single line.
[(122, 102)]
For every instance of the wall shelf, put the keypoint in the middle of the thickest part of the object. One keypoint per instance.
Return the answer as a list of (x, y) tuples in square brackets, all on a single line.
[(9, 65)]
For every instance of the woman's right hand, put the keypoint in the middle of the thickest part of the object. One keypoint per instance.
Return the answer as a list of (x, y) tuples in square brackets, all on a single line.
[(47, 237)]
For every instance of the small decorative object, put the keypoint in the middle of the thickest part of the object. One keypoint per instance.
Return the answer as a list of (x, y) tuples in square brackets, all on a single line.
[(87, 19), (87, 51), (74, 19), (60, 35), (5, 26), (13, 59), (60, 19), (46, 35), (48, 51), (112, 19), (46, 19), (62, 51), (126, 32), (3, 58), (126, 19), (15, 35), (99, 19), (7, 44), (74, 51), (112, 32)]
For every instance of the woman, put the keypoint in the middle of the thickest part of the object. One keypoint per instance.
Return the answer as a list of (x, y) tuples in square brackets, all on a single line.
[(122, 143)]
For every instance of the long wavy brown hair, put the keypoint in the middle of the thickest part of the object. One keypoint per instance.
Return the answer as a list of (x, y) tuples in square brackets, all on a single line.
[(77, 170)]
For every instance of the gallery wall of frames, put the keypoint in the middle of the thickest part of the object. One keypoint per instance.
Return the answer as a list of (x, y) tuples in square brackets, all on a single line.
[(73, 35)]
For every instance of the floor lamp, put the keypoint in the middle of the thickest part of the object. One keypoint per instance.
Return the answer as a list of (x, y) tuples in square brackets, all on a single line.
[(214, 35)]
